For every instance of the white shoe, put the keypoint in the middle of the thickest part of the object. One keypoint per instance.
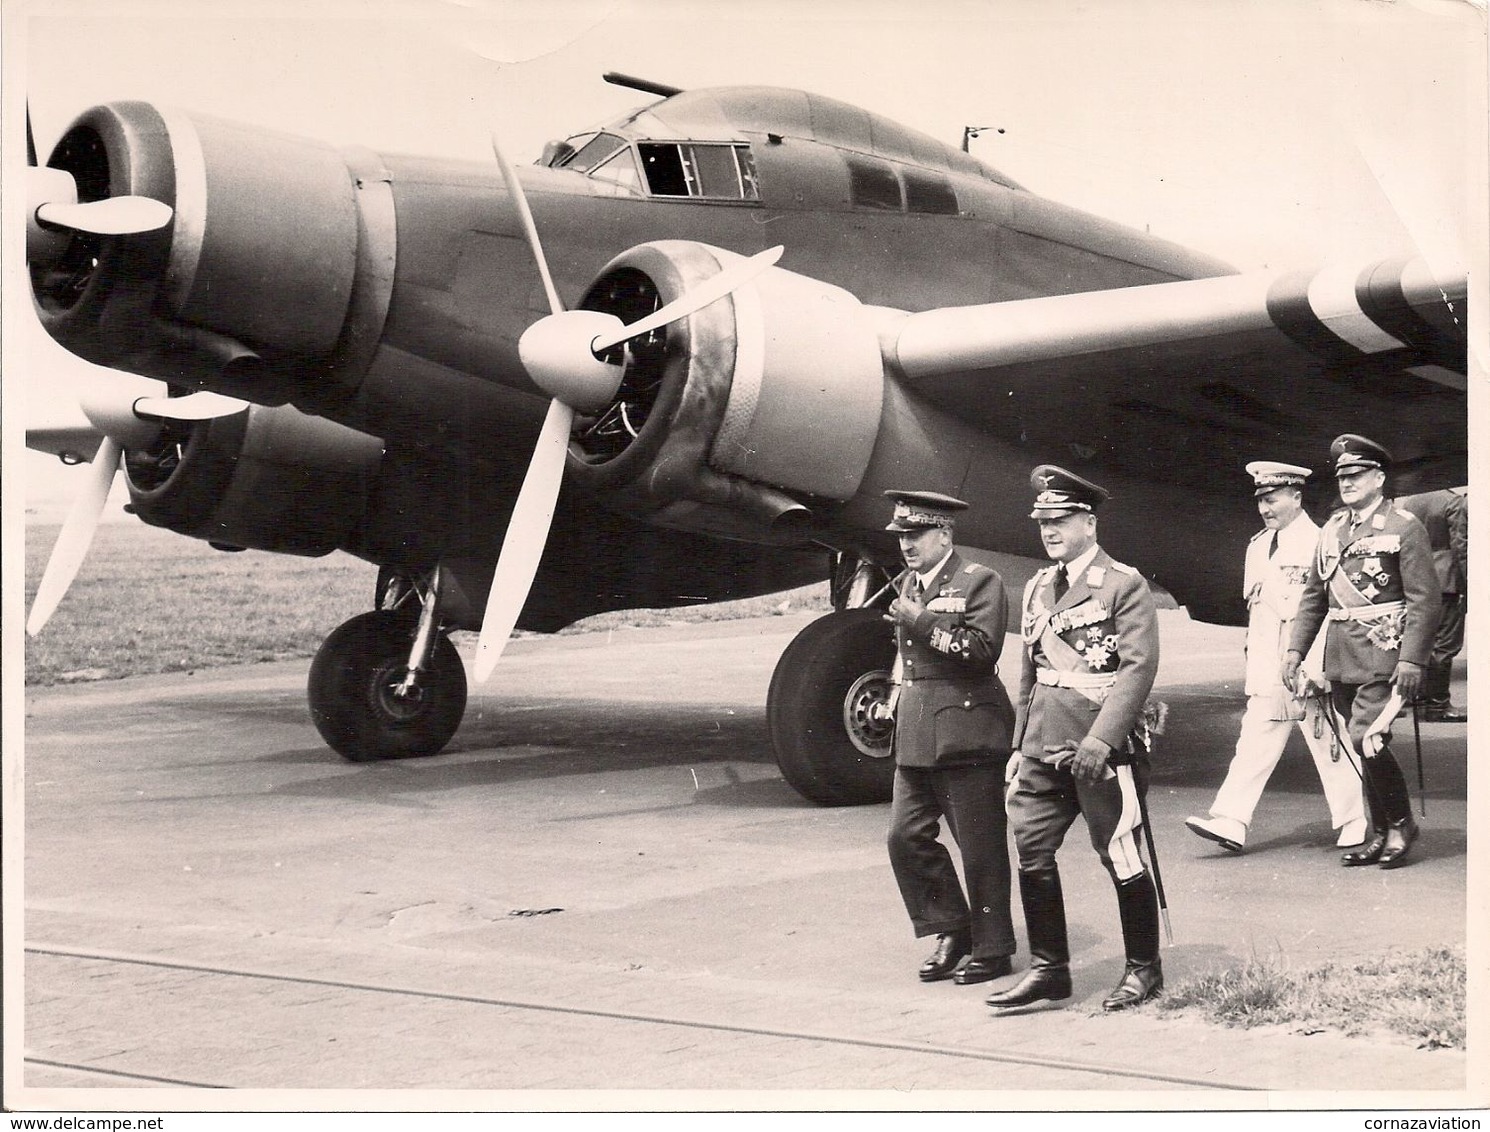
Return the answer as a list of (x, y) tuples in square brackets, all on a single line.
[(1225, 832), (1351, 833)]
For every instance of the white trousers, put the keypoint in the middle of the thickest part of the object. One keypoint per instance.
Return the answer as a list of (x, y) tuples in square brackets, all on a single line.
[(1258, 749)]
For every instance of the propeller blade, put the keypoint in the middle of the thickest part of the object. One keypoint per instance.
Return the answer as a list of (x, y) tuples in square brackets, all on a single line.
[(712, 289), (525, 214), (112, 216), (75, 537), (527, 533), (201, 406)]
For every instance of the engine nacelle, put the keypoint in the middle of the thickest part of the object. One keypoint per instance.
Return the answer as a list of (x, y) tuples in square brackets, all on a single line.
[(265, 479), (776, 389), (270, 238)]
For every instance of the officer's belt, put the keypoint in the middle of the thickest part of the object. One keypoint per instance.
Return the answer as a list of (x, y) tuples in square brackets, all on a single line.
[(1368, 612), (1086, 683)]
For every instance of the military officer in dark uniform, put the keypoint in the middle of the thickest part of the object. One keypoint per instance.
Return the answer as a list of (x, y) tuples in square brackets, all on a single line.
[(1091, 649), (1445, 516), (953, 721), (1372, 578)]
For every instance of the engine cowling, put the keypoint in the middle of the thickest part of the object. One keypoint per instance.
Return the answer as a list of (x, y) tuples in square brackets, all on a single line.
[(265, 479), (293, 267), (729, 419)]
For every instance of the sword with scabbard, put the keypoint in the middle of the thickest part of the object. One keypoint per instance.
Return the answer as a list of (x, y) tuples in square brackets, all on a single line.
[(1150, 723)]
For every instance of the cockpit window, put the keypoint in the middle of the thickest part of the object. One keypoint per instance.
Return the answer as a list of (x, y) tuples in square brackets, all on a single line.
[(593, 152), (715, 170), (620, 170)]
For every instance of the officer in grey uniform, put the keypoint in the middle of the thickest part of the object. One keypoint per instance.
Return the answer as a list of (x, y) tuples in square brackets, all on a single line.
[(1445, 516), (953, 721), (1091, 650), (1372, 581), (1277, 565)]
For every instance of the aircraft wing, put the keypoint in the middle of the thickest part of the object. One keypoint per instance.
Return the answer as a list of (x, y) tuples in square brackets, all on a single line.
[(1182, 380)]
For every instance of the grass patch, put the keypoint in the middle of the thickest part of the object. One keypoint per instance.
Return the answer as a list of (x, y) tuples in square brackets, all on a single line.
[(1416, 997), (148, 601)]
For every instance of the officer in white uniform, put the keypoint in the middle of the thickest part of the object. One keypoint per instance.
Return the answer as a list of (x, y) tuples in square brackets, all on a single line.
[(1277, 566)]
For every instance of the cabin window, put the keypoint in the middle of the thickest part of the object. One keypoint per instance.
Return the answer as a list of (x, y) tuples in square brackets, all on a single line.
[(927, 192), (593, 152), (873, 185), (715, 171)]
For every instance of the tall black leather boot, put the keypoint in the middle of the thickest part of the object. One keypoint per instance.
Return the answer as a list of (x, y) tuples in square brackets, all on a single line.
[(1437, 707), (1049, 976), (1138, 910), (1388, 786)]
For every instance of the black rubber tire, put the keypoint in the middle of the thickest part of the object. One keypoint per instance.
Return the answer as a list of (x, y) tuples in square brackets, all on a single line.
[(348, 695), (805, 709)]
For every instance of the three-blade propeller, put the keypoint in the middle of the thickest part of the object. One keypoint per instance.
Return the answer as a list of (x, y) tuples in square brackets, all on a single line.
[(562, 354), (126, 422), (54, 215)]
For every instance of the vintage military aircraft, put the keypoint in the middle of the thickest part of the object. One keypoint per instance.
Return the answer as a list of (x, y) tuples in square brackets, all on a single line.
[(453, 370)]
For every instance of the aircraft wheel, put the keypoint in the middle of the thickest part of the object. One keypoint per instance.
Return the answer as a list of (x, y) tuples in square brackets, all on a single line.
[(353, 691), (830, 744)]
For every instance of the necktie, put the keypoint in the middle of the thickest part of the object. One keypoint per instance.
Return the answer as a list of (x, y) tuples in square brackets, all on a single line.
[(1061, 584), (1273, 545)]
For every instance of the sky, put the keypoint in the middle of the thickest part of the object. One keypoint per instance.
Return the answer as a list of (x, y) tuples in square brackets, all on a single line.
[(1274, 133)]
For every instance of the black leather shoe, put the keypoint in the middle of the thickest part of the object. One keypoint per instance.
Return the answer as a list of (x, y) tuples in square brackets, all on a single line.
[(977, 970), (951, 949), (1446, 713), (1399, 839), (1140, 982), (1049, 982), (1367, 854)]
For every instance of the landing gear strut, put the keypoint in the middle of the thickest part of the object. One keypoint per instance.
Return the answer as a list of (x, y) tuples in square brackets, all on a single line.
[(388, 684), (826, 707)]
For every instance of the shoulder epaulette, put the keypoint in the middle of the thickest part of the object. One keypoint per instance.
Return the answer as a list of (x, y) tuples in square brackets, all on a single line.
[(973, 568), (1401, 514), (1124, 568), (1259, 534)]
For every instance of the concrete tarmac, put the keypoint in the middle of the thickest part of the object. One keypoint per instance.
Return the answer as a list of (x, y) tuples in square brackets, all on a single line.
[(604, 884)]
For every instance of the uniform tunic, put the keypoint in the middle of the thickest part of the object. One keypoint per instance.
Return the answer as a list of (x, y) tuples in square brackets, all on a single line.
[(1445, 516), (953, 721), (1374, 586), (1090, 658), (1384, 562), (1273, 583)]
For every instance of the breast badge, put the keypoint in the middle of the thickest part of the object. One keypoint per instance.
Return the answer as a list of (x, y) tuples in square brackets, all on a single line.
[(1386, 632)]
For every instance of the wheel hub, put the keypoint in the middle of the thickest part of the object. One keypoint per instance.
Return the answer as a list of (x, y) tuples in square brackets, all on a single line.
[(399, 704), (869, 730)]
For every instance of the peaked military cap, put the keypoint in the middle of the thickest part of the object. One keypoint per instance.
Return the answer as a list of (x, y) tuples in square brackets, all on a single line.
[(1268, 474), (920, 510), (1059, 492), (1350, 453)]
